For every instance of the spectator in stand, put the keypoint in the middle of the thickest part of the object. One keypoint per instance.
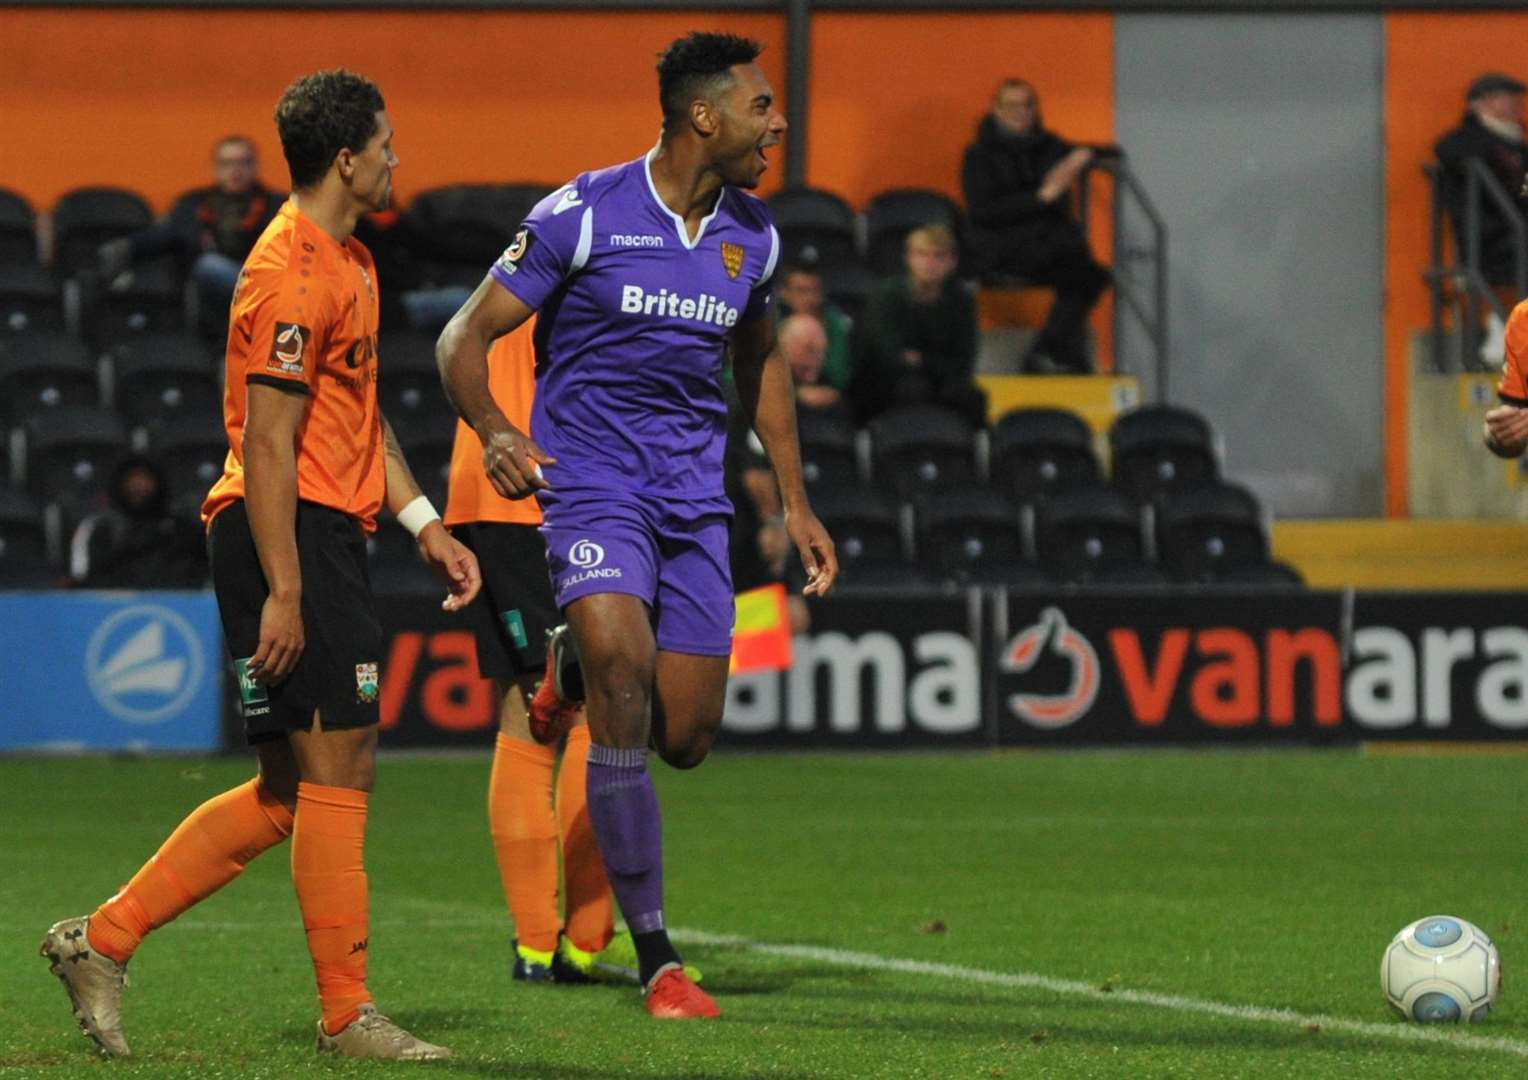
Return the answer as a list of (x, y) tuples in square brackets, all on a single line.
[(801, 292), (804, 344), (209, 230), (917, 340), (1016, 177), (1492, 133), (136, 543)]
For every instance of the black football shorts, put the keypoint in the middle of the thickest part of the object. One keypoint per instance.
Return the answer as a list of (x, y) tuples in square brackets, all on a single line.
[(513, 612)]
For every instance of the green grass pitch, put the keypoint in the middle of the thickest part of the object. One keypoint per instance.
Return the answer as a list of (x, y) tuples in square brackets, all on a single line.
[(1139, 889)]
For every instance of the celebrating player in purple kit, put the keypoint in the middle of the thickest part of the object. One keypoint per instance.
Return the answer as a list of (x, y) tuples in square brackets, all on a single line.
[(644, 274)]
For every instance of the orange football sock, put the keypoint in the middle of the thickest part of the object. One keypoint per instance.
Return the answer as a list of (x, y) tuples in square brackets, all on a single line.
[(591, 911), (209, 849), (328, 842), (524, 831)]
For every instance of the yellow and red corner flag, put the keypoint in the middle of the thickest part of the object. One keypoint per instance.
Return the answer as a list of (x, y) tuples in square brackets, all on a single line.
[(761, 636)]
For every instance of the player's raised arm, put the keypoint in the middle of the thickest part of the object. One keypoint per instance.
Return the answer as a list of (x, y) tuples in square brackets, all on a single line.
[(769, 405), (450, 558)]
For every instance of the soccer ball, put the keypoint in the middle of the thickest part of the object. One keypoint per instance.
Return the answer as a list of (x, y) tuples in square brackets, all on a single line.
[(1441, 969)]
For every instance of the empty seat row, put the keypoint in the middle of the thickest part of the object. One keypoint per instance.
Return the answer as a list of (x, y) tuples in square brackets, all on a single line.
[(1028, 454), (1205, 534)]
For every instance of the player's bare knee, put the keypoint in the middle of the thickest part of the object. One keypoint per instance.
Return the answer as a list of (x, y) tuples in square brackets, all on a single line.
[(690, 753)]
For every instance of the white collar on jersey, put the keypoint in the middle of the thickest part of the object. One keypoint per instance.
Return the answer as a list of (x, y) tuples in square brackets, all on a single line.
[(679, 225)]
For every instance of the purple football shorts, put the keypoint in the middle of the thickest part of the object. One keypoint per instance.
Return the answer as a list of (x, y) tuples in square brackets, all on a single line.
[(671, 554)]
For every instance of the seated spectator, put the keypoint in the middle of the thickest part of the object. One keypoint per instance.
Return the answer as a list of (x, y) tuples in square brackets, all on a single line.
[(135, 543), (917, 341), (1492, 133), (804, 344), (209, 230), (801, 292), (1016, 179)]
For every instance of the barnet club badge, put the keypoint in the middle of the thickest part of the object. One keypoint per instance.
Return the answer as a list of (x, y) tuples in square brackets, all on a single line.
[(732, 259)]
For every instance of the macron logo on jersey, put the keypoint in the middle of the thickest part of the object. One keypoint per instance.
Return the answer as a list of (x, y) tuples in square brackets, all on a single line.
[(568, 200), (704, 308)]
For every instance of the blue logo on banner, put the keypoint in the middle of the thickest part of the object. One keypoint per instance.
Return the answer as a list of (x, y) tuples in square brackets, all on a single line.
[(144, 664), (110, 671)]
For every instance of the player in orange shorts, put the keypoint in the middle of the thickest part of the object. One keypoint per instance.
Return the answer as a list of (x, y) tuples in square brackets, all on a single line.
[(512, 619)]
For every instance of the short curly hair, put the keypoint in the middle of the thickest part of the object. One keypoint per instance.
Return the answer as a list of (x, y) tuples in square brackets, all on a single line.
[(697, 65), (321, 114)]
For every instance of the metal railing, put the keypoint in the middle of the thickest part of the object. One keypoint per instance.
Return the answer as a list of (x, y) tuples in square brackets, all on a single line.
[(1461, 286), (1145, 306)]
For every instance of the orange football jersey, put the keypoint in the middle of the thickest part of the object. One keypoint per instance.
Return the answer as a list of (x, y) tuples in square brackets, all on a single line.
[(304, 319)]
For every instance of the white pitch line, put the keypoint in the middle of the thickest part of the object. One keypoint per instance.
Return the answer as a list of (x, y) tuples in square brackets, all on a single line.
[(1029, 981)]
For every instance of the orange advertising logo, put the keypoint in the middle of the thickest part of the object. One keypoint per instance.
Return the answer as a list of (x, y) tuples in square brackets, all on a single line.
[(1053, 634)]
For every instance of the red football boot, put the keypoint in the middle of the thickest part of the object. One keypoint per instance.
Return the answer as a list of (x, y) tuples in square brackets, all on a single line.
[(672, 996), (561, 691)]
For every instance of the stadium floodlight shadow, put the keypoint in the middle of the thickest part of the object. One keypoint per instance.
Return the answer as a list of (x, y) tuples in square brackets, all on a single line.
[(918, 449), (25, 560), (1156, 449), (18, 230), (892, 214), (41, 372), (192, 449), (1084, 534), (817, 228), (1038, 452), (86, 218), (30, 299), (69, 454), (830, 456), (1207, 527), (968, 533), (160, 377)]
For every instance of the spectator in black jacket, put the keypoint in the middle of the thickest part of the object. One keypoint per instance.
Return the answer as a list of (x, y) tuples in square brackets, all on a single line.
[(136, 542), (1492, 133), (209, 230), (1016, 177)]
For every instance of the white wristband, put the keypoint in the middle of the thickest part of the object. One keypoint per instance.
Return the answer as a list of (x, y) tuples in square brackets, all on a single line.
[(416, 515)]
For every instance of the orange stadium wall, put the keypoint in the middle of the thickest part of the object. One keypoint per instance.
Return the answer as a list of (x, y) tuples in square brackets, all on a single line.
[(136, 97), (1430, 59)]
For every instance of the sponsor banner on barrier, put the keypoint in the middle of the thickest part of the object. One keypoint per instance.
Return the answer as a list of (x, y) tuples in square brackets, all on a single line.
[(1157, 667), (431, 694), (1081, 668), (896, 670), (110, 671)]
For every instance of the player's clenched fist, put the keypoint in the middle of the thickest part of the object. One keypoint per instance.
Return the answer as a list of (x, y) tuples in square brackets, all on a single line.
[(1507, 430), (513, 463)]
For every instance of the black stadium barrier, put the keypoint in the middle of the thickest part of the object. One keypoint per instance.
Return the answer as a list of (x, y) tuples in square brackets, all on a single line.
[(986, 668)]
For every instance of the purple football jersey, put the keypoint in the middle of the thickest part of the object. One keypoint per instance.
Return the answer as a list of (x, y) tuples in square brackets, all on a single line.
[(633, 326)]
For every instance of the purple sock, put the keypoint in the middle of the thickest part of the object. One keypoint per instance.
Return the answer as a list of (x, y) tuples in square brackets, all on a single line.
[(623, 808)]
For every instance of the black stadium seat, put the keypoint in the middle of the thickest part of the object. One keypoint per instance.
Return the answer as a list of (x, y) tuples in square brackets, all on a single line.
[(457, 231), (867, 532), (1088, 533), (916, 449), (816, 228), (160, 377), (148, 299), (1156, 449), (18, 230), (829, 456), (891, 215), (30, 299), (1038, 452), (1267, 574), (86, 218), (192, 450), (1205, 528), (41, 372), (24, 557), (70, 454), (408, 385), (971, 535)]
